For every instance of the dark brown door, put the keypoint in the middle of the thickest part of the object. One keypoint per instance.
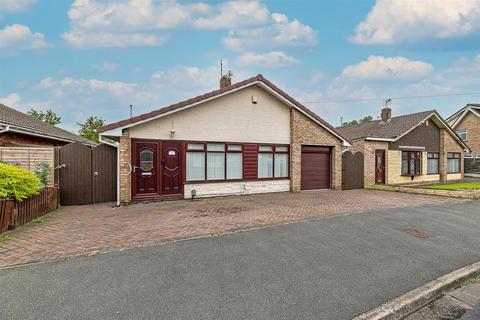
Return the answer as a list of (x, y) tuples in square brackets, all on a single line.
[(380, 166), (171, 168), (145, 168), (315, 167)]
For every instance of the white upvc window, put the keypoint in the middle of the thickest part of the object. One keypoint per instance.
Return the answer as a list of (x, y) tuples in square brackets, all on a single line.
[(463, 134)]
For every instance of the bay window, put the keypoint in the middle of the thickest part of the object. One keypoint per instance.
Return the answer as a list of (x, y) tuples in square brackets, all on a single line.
[(432, 162), (411, 163), (453, 162)]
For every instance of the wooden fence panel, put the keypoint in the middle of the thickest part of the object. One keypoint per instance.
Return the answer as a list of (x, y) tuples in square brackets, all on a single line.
[(87, 175), (35, 206), (352, 170), (28, 157), (14, 213)]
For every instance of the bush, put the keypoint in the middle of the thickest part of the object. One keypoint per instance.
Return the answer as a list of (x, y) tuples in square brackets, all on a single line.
[(43, 170), (17, 183)]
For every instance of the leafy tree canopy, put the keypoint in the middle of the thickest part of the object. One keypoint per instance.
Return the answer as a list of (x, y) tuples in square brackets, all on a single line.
[(88, 129), (362, 120), (46, 116)]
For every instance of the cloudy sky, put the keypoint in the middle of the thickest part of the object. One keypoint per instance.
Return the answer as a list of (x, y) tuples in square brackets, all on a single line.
[(88, 57)]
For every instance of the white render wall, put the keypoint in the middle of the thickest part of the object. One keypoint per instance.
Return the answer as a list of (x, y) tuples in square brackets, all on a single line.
[(231, 118), (236, 188)]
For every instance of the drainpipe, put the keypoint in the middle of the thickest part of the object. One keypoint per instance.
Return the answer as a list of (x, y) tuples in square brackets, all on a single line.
[(118, 166)]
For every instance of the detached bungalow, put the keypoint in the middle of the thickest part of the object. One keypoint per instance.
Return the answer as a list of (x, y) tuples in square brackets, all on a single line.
[(414, 148), (244, 138)]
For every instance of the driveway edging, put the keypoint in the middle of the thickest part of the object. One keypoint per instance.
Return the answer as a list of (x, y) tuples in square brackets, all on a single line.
[(412, 301)]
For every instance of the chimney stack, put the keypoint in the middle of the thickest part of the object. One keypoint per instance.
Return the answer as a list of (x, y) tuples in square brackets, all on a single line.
[(386, 115), (226, 80)]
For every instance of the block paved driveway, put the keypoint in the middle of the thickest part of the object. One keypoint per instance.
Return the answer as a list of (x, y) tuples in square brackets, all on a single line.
[(88, 230)]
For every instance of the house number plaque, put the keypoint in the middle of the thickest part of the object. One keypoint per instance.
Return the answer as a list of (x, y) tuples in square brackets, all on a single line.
[(171, 153)]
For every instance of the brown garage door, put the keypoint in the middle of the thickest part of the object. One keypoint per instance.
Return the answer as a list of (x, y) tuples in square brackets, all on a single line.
[(315, 167)]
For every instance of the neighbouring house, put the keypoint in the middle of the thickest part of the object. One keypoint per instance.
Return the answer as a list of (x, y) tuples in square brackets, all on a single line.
[(413, 148), (466, 123), (244, 138), (25, 141)]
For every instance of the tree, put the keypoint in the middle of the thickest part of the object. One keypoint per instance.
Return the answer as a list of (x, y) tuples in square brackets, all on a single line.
[(88, 129), (46, 116), (362, 120)]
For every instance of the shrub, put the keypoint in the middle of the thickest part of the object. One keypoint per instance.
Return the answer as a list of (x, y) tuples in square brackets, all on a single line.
[(43, 170), (17, 183)]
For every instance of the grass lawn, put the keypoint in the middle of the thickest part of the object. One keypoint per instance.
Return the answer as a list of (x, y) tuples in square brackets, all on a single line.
[(454, 186)]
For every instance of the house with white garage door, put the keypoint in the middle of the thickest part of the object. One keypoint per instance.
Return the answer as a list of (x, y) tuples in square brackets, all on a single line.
[(244, 138)]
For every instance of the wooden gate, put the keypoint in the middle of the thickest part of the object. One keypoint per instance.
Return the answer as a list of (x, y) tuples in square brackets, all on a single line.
[(87, 175), (352, 170)]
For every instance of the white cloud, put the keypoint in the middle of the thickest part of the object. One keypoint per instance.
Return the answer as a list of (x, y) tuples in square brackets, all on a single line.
[(405, 20), (15, 6), (17, 36), (11, 99), (110, 23), (112, 40), (281, 32), (273, 59), (106, 66), (233, 14), (378, 67)]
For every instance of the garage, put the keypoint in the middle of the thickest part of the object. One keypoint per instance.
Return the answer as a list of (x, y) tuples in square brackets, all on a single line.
[(316, 162)]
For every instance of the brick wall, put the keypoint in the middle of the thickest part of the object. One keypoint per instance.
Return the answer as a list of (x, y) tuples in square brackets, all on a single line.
[(449, 144), (306, 132), (395, 170), (15, 139), (125, 177), (471, 123)]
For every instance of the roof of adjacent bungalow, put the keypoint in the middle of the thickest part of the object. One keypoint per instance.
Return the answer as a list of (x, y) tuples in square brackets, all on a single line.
[(111, 129), (12, 120), (457, 117), (395, 128)]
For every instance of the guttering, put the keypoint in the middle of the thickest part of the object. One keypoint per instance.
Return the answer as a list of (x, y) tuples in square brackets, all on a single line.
[(377, 139), (115, 145), (5, 129)]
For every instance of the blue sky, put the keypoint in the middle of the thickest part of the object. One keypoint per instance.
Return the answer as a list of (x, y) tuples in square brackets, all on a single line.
[(83, 58)]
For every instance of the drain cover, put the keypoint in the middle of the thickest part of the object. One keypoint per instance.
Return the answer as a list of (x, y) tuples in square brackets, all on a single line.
[(417, 233)]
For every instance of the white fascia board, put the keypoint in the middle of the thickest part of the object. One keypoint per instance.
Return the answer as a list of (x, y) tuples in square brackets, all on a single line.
[(377, 139), (118, 131)]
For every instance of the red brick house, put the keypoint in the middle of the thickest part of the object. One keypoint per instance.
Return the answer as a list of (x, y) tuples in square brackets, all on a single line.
[(244, 138), (414, 148), (466, 123)]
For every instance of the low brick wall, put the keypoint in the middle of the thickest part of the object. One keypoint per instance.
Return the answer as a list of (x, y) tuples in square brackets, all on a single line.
[(463, 194)]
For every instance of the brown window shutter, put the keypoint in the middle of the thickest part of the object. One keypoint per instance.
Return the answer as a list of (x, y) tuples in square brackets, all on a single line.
[(250, 161)]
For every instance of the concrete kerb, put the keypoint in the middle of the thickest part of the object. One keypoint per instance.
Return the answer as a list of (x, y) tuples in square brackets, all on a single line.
[(414, 300)]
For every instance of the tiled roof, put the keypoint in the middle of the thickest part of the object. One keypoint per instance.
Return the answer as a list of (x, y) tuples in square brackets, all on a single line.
[(212, 94), (22, 121), (396, 127)]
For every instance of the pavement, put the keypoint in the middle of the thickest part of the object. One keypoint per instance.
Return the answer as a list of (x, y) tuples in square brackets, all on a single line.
[(460, 303), (333, 268), (86, 230)]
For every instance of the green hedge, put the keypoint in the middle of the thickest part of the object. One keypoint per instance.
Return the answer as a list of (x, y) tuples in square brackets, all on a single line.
[(17, 183)]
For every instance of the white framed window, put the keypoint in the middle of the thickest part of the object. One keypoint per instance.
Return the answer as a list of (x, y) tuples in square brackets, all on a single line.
[(463, 134), (454, 162), (432, 162)]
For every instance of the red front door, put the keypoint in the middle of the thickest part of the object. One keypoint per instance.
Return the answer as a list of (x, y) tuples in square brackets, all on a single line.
[(380, 166), (171, 168), (144, 169)]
